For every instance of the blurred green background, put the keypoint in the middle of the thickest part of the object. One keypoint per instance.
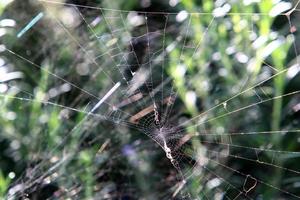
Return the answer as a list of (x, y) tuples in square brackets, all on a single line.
[(197, 54)]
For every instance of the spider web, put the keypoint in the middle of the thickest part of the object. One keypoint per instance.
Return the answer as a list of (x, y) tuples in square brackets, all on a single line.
[(142, 66)]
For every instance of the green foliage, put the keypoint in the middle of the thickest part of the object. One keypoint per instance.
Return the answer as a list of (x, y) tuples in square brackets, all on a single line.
[(229, 73)]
